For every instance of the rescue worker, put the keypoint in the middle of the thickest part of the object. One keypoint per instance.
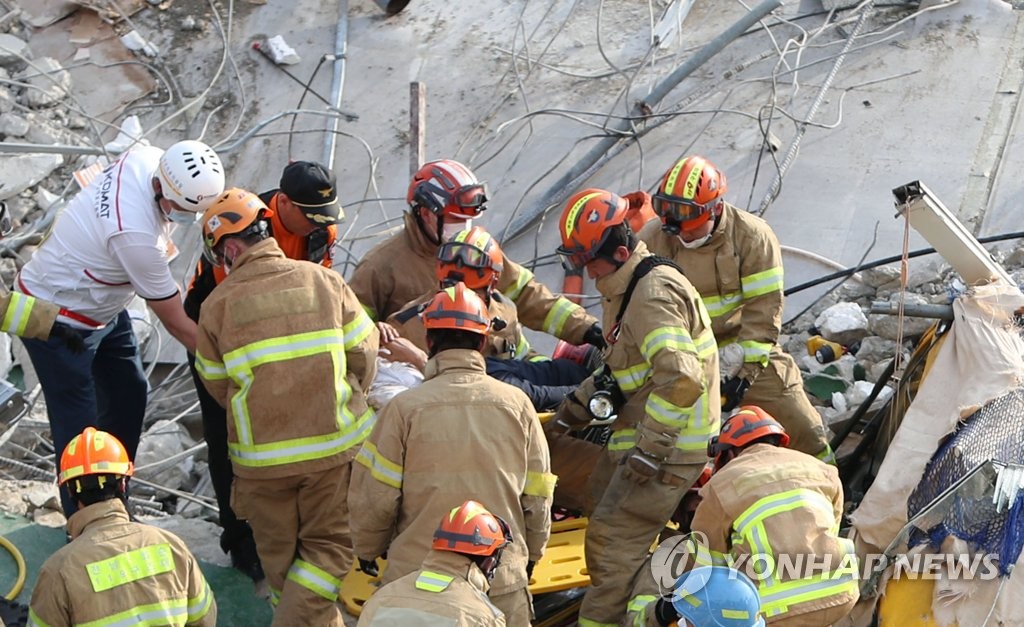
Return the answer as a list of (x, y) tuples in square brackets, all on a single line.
[(661, 374), (303, 215), (460, 435), (708, 595), (733, 259), (286, 347), (111, 242), (766, 499), (451, 585), (115, 570), (444, 197)]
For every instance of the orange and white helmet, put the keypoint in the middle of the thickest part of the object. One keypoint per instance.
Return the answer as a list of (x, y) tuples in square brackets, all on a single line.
[(447, 188), (94, 452), (235, 212), (586, 221), (471, 256), (471, 530), (689, 194), (749, 424), (457, 308)]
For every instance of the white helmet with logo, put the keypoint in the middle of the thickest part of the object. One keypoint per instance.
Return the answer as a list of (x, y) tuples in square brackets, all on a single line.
[(191, 175)]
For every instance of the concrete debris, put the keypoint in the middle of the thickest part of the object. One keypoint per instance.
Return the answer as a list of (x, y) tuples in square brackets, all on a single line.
[(20, 172), (202, 537), (279, 51), (874, 349), (13, 52), (49, 518), (844, 323), (48, 83), (160, 457), (137, 43), (13, 125), (129, 134), (44, 495)]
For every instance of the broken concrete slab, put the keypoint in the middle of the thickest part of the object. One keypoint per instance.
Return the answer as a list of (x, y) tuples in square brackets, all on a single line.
[(13, 125), (49, 83), (21, 171), (844, 323), (13, 51), (161, 442), (42, 496), (39, 13)]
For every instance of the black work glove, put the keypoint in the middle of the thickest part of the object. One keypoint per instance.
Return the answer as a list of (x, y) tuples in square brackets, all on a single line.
[(72, 339), (733, 390), (369, 567), (595, 337), (665, 613), (529, 569)]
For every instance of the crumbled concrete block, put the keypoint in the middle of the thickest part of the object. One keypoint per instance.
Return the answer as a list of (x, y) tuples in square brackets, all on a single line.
[(13, 125), (42, 497), (877, 277), (49, 83), (43, 134), (8, 268), (874, 349), (161, 442), (49, 518), (7, 100), (20, 171), (844, 323), (13, 50)]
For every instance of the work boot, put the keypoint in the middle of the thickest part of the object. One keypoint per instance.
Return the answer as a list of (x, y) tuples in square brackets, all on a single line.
[(239, 542)]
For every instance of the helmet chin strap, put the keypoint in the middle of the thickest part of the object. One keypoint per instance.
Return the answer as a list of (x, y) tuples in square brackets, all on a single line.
[(433, 239)]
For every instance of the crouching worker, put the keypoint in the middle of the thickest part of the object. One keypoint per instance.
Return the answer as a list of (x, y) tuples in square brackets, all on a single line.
[(709, 595), (115, 571), (451, 586)]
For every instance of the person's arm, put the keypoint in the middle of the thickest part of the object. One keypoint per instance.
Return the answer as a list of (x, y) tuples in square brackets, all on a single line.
[(373, 286), (375, 491), (26, 316), (540, 488), (362, 340), (541, 310), (710, 532), (202, 607), (172, 314), (210, 361), (761, 281), (51, 604)]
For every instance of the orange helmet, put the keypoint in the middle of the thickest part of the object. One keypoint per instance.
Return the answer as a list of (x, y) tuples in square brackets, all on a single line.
[(471, 530), (749, 424), (689, 194), (473, 257), (236, 212), (586, 220), (447, 188), (458, 308), (94, 452)]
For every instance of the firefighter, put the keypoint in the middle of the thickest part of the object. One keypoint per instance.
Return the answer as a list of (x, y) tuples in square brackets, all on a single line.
[(304, 212), (277, 325), (115, 570), (768, 500), (660, 378), (460, 435), (444, 197), (451, 585), (734, 261), (708, 595), (111, 243)]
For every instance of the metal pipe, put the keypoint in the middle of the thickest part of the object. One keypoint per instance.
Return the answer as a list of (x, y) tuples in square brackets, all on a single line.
[(942, 312), (60, 149), (568, 183), (337, 83)]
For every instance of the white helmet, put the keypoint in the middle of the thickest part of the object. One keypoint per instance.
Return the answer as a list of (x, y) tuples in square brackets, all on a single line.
[(191, 175)]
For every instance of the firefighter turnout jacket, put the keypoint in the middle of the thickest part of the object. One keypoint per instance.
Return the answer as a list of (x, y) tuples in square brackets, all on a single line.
[(119, 572), (448, 589), (276, 333), (401, 269), (460, 435), (26, 316), (738, 273), (786, 505)]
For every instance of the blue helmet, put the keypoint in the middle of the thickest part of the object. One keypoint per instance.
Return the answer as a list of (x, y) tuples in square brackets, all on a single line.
[(716, 596)]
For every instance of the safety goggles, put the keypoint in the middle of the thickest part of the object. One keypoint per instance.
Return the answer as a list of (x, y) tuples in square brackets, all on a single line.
[(461, 253), (470, 199), (680, 211), (574, 260)]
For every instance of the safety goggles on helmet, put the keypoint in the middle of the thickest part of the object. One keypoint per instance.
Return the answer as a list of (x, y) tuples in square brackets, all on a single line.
[(684, 214), (456, 253), (469, 200), (575, 259)]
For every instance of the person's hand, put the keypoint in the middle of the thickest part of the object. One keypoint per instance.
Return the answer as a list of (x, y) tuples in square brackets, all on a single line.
[(71, 338), (595, 337), (402, 350), (732, 392), (640, 467), (529, 569), (369, 567), (638, 200), (388, 333), (570, 415)]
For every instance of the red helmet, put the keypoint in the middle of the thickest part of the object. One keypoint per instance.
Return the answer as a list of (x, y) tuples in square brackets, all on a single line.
[(749, 424), (94, 452), (689, 194), (586, 220), (471, 530), (457, 308), (473, 257), (447, 188)]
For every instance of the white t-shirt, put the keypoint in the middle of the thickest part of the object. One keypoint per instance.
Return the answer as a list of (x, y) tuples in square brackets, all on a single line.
[(111, 242)]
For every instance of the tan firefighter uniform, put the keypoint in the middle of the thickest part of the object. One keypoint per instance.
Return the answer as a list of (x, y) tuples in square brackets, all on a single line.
[(460, 435), (402, 269), (119, 572), (285, 346), (779, 502), (665, 361), (738, 273), (448, 589), (507, 343), (26, 316)]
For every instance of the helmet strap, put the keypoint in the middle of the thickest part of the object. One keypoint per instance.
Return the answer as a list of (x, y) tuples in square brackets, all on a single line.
[(433, 239)]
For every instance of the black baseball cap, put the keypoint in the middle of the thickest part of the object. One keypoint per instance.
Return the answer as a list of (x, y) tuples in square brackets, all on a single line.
[(311, 187)]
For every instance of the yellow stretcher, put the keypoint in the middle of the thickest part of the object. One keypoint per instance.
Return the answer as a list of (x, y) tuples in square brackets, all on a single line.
[(561, 568)]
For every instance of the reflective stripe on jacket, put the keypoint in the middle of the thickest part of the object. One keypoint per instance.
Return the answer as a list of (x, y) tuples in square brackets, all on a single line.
[(289, 363), (784, 507), (665, 361), (26, 316), (459, 435), (738, 273), (118, 572)]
